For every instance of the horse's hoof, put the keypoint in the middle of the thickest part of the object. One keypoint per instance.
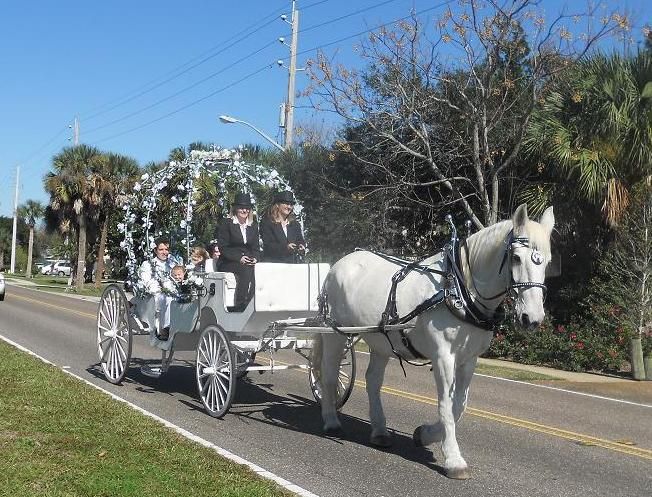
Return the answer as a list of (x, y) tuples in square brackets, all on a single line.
[(457, 473), (416, 437), (333, 431), (383, 441)]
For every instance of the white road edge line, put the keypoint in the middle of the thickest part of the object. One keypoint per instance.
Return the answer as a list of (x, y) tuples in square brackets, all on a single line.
[(190, 436), (567, 391), (551, 388)]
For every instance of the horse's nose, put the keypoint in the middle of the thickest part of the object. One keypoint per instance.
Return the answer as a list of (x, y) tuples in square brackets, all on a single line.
[(527, 323)]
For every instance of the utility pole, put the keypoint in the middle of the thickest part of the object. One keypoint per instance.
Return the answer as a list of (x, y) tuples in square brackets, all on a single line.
[(75, 132), (289, 107), (13, 237)]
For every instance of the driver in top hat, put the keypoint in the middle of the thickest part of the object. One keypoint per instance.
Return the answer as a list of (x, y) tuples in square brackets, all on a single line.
[(237, 237)]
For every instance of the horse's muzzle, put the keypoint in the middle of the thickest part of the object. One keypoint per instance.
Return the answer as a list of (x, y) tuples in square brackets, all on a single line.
[(529, 324)]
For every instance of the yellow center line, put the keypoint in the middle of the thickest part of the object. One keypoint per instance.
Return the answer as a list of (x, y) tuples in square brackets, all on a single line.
[(522, 423), (54, 306), (501, 418)]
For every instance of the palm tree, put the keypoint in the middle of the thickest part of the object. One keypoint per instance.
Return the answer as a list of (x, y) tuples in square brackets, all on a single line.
[(5, 244), (31, 211), (596, 128), (72, 194), (111, 179)]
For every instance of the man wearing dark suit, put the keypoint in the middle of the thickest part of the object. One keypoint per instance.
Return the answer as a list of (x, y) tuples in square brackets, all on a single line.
[(237, 237), (281, 233)]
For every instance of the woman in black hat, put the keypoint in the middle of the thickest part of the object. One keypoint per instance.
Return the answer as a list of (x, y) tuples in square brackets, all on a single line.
[(281, 233), (237, 237)]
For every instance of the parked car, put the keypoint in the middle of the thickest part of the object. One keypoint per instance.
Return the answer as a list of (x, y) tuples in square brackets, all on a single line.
[(61, 268), (57, 268), (2, 286)]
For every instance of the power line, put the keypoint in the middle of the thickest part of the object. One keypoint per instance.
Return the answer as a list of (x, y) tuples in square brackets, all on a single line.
[(374, 28), (183, 90), (195, 102), (350, 14), (179, 71), (31, 155), (144, 89), (267, 66)]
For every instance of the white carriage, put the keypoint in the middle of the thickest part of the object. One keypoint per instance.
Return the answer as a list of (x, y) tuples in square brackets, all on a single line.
[(226, 341)]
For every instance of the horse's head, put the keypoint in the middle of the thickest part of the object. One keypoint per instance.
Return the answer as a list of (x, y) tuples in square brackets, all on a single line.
[(529, 256)]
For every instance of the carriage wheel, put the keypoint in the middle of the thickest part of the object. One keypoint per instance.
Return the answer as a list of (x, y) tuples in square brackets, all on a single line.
[(216, 371), (114, 336), (345, 380)]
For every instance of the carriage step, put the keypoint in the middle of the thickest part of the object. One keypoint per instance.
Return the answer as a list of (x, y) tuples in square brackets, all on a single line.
[(152, 371)]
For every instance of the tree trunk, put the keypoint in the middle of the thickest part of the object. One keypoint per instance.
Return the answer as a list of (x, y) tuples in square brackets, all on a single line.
[(28, 271), (99, 267), (81, 252)]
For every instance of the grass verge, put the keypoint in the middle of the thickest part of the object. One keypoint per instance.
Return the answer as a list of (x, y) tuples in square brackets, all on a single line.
[(57, 284), (60, 437), (512, 373)]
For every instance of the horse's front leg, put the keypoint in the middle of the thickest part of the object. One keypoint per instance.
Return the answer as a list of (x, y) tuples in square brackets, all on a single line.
[(329, 368), (452, 387), (374, 376)]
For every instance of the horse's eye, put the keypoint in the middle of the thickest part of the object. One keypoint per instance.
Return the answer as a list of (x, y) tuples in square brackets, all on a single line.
[(516, 258)]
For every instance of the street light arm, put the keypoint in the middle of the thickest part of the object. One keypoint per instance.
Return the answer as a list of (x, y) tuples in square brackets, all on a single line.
[(231, 120)]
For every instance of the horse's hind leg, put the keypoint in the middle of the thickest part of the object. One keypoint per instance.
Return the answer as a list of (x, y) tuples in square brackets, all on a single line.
[(332, 348), (374, 377), (452, 392)]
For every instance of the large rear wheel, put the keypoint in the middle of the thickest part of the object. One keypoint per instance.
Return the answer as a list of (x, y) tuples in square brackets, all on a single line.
[(345, 379), (114, 336), (216, 371)]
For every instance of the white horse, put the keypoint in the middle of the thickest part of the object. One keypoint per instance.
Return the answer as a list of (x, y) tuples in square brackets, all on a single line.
[(508, 256)]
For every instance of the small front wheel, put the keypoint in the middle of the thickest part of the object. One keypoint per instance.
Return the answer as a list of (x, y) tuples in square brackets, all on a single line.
[(114, 336), (216, 371), (345, 378)]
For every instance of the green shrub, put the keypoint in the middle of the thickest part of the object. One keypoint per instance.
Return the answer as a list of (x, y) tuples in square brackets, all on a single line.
[(572, 347)]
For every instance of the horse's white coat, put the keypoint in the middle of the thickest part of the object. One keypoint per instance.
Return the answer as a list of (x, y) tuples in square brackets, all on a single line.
[(357, 288)]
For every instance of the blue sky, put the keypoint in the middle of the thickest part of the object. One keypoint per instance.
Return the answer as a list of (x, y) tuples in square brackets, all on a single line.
[(125, 69)]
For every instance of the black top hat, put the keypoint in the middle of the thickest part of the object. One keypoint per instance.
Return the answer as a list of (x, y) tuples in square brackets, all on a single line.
[(285, 197), (242, 200)]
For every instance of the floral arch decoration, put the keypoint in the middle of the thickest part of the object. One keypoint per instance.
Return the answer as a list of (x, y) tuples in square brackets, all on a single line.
[(162, 202)]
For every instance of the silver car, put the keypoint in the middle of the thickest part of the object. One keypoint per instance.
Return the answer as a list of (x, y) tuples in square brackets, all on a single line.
[(2, 286)]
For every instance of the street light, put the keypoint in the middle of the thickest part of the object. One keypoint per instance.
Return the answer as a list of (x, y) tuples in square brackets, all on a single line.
[(231, 120)]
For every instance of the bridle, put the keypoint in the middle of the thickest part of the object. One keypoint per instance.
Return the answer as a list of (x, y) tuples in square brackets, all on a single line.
[(510, 242)]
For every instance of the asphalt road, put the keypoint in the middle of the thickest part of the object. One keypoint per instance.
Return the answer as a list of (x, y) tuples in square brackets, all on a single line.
[(519, 440)]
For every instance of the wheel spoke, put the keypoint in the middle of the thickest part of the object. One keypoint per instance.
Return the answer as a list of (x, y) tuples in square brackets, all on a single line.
[(123, 354), (202, 351), (206, 385), (222, 391), (106, 320)]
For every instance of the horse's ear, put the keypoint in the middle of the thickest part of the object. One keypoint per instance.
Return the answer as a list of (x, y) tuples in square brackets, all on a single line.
[(520, 216), (548, 219)]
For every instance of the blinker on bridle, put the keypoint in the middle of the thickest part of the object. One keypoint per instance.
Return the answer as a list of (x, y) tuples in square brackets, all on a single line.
[(535, 256)]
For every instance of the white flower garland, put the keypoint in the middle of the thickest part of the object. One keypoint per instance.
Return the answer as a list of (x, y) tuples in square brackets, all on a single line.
[(229, 172)]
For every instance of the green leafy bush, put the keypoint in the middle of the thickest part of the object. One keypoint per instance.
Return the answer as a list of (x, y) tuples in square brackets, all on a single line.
[(572, 347)]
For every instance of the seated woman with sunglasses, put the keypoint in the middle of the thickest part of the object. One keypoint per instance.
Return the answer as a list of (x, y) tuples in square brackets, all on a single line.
[(281, 233)]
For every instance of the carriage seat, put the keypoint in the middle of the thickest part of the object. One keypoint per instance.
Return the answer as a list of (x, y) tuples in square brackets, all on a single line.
[(229, 282), (288, 287)]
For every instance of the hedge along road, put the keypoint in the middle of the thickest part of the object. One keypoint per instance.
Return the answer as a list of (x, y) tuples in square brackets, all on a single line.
[(518, 439)]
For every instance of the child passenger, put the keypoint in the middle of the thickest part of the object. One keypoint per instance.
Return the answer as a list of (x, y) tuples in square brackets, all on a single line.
[(178, 273)]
